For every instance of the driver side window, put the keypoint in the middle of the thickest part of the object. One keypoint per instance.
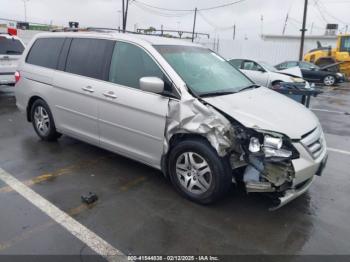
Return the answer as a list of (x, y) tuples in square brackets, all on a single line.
[(130, 63)]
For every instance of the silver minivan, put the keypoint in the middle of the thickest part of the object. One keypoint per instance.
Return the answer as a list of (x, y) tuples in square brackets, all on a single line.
[(11, 49), (175, 106)]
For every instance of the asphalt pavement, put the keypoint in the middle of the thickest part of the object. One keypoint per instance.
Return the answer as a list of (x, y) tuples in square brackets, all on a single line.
[(138, 211)]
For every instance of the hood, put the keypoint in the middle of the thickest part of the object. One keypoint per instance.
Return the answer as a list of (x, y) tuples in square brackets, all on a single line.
[(266, 109), (331, 65), (293, 71)]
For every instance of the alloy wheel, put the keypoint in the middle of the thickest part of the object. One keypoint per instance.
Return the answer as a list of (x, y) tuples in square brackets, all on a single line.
[(42, 120), (193, 173), (329, 80)]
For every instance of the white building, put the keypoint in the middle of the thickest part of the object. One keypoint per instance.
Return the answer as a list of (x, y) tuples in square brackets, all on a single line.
[(270, 48)]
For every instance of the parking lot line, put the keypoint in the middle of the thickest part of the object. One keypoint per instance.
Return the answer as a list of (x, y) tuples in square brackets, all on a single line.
[(92, 240), (338, 151), (60, 172), (28, 233), (329, 111), (133, 183)]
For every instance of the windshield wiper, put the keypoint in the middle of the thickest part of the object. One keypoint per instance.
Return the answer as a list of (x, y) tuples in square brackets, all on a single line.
[(249, 87), (217, 93)]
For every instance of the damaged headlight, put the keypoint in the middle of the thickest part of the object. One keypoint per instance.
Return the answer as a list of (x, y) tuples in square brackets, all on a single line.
[(273, 142), (271, 146)]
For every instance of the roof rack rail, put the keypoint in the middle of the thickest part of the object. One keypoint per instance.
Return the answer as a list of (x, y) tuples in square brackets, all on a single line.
[(109, 30)]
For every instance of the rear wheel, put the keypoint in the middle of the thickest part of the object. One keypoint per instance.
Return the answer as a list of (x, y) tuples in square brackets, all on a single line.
[(329, 80), (43, 122), (198, 172)]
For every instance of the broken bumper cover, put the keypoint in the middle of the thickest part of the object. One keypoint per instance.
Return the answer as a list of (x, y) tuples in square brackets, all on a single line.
[(292, 194), (302, 185)]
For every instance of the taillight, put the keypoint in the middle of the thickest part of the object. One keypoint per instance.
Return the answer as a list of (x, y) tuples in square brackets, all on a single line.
[(17, 76)]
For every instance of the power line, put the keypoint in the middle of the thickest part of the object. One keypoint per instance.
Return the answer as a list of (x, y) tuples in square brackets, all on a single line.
[(329, 14), (212, 24), (186, 10), (159, 13)]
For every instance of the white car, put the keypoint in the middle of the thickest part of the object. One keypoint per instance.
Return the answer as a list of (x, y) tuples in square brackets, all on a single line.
[(11, 49), (266, 75), (173, 105)]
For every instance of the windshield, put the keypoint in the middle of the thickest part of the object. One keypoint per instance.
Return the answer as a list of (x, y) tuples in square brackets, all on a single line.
[(345, 44), (268, 67), (203, 71), (308, 66), (10, 46)]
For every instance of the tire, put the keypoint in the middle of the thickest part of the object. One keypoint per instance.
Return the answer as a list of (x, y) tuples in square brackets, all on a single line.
[(329, 80), (198, 172), (43, 121)]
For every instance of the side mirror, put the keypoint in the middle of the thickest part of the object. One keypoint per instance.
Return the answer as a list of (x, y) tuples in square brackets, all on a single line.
[(152, 84), (313, 68)]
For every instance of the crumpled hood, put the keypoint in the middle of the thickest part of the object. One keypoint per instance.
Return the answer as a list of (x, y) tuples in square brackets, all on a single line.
[(266, 109)]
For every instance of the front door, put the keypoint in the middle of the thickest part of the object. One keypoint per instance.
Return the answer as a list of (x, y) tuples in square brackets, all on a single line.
[(132, 121)]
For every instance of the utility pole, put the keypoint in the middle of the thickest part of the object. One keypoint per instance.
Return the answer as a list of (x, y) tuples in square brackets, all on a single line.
[(234, 32), (123, 12), (303, 30), (194, 23), (126, 15), (262, 25), (285, 24), (118, 26), (25, 9), (346, 29), (312, 28)]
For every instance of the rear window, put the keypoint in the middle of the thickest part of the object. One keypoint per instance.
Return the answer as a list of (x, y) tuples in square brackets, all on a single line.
[(90, 57), (10, 46), (45, 52)]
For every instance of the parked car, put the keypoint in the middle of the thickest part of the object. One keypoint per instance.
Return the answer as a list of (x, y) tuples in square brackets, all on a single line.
[(265, 74), (314, 73), (173, 105), (11, 48)]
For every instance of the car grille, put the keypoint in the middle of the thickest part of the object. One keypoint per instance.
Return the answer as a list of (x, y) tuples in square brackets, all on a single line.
[(314, 142)]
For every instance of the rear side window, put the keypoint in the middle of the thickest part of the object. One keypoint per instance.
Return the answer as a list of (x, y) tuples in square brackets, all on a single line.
[(250, 65), (89, 57), (10, 46), (236, 63), (45, 52)]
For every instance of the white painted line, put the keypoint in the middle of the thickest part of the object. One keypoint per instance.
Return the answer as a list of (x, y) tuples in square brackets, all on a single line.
[(329, 111), (338, 151), (84, 234)]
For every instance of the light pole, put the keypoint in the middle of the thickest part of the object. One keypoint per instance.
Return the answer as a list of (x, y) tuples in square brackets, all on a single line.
[(25, 9)]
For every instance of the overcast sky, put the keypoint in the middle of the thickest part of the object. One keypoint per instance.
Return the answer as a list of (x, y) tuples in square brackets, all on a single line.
[(247, 15)]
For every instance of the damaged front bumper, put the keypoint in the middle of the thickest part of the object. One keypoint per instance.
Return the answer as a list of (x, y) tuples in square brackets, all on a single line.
[(292, 194), (289, 179)]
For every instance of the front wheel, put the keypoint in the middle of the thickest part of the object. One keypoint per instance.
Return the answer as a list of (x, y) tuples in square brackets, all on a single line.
[(198, 172), (329, 80), (43, 122)]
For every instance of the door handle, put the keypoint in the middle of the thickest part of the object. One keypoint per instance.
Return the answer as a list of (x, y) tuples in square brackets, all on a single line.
[(88, 89), (110, 94)]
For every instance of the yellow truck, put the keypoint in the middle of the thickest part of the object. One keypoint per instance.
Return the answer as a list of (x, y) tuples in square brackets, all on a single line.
[(328, 56)]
